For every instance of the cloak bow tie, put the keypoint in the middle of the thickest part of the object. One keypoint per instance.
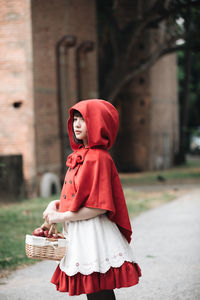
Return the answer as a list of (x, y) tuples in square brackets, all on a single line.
[(76, 158)]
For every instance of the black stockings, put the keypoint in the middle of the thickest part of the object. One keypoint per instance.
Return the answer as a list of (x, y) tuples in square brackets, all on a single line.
[(102, 295)]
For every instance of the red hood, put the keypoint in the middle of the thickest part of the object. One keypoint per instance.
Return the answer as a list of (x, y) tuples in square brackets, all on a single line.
[(102, 123)]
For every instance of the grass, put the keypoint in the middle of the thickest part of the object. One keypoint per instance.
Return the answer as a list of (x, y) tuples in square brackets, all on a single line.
[(21, 218), (138, 202), (187, 173), (17, 220)]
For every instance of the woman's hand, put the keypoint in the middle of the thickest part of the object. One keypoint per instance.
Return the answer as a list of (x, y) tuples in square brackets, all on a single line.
[(52, 207), (53, 216)]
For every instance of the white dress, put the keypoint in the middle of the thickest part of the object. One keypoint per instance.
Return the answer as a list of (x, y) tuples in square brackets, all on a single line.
[(94, 245)]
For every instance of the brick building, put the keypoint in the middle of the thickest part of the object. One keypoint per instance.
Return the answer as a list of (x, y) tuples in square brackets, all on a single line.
[(42, 46), (48, 60)]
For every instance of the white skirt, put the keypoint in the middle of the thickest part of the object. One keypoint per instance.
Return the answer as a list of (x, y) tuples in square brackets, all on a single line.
[(94, 245)]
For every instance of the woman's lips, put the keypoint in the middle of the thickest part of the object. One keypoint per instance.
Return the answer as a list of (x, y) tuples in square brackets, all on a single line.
[(77, 131)]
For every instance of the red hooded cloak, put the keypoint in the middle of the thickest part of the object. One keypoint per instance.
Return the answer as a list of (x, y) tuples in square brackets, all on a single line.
[(92, 179)]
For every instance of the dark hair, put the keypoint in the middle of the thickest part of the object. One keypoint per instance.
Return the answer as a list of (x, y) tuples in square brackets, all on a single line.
[(77, 114)]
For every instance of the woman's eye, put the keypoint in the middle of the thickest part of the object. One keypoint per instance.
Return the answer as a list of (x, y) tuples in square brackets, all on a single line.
[(76, 119)]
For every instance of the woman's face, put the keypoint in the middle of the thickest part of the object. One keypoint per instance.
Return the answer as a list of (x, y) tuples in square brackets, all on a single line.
[(80, 129)]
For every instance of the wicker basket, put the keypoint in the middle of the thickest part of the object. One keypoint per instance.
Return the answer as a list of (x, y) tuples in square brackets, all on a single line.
[(45, 248)]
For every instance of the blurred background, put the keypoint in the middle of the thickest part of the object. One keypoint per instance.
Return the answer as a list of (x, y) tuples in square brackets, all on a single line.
[(143, 56)]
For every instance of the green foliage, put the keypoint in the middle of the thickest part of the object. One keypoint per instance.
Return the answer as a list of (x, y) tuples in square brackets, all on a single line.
[(194, 98), (176, 175), (194, 44), (194, 108), (138, 202), (120, 26), (17, 220)]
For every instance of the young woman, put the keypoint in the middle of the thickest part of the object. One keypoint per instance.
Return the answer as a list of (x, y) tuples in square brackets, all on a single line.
[(93, 209)]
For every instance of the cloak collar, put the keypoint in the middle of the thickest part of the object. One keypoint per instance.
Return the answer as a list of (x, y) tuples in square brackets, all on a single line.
[(102, 123), (76, 157)]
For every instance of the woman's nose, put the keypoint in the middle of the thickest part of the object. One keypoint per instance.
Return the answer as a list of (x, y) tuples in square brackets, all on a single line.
[(77, 123)]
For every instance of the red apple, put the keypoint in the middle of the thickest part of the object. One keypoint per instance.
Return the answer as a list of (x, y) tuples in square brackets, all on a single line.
[(50, 236), (38, 232), (46, 233), (60, 235)]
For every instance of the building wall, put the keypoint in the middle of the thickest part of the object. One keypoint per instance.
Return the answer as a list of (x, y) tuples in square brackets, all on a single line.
[(35, 100), (163, 113), (17, 134), (31, 118), (150, 127), (50, 24)]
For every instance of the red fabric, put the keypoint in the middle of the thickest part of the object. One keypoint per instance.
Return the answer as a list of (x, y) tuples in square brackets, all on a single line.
[(92, 179), (102, 123), (126, 275)]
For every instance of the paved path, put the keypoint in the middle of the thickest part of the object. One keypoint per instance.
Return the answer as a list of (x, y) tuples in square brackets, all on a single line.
[(166, 244)]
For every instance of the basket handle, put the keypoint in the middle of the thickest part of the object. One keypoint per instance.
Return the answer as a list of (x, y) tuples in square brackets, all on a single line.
[(54, 226)]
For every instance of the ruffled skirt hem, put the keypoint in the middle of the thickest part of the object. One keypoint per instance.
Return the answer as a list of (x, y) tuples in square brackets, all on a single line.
[(125, 276)]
